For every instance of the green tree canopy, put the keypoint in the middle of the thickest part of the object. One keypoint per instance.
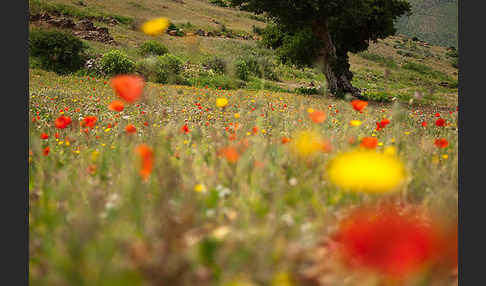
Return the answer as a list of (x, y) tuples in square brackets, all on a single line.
[(322, 32)]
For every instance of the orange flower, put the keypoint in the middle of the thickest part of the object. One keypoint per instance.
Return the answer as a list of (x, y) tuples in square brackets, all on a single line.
[(128, 87), (317, 116), (326, 146), (116, 105), (395, 241), (185, 129), (147, 156), (230, 153), (441, 143), (46, 151), (129, 129), (255, 130), (285, 140), (89, 121), (369, 142), (62, 122), (359, 105), (44, 136)]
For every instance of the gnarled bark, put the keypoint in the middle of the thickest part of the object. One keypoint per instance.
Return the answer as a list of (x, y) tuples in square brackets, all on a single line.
[(334, 67)]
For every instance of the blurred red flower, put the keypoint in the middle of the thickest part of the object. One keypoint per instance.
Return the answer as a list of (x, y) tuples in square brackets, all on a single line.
[(441, 143), (285, 140), (359, 105), (369, 142), (129, 129), (116, 105), (382, 124), (62, 122), (388, 239), (128, 87), (147, 159), (317, 116), (46, 150), (440, 122), (424, 124), (230, 153), (185, 129), (89, 121), (44, 136)]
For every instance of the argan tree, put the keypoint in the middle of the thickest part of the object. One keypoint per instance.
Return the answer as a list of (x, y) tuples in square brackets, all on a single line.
[(322, 32)]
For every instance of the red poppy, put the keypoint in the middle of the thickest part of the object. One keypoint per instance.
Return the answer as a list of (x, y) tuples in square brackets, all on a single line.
[(44, 136), (62, 121), (359, 105), (437, 114), (285, 140), (440, 122), (89, 121), (424, 124), (317, 116), (382, 124), (128, 87), (46, 150), (129, 129), (116, 105), (441, 143), (230, 153), (255, 130), (147, 157), (185, 129), (145, 123), (369, 142), (389, 239)]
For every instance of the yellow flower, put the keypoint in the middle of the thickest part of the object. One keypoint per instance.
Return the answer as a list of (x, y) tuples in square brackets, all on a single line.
[(94, 155), (366, 171), (390, 150), (445, 156), (107, 129), (200, 188), (237, 115), (355, 123), (281, 279), (310, 110), (306, 143), (155, 27), (221, 102)]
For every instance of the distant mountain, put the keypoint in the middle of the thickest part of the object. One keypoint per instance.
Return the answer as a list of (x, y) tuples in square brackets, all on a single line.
[(433, 21)]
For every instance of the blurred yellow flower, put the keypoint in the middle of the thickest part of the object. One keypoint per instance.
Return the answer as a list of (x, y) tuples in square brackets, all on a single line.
[(155, 27), (390, 150), (237, 115), (221, 102), (445, 156), (310, 110), (200, 188), (281, 279), (306, 143), (94, 155), (366, 171), (355, 123)]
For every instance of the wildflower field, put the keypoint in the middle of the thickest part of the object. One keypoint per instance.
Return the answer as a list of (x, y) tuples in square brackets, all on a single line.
[(147, 184)]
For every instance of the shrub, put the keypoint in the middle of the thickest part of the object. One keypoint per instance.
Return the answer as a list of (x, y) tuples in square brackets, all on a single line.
[(218, 65), (147, 68), (169, 68), (58, 51), (153, 48), (116, 62), (455, 62), (272, 36), (242, 70), (379, 96)]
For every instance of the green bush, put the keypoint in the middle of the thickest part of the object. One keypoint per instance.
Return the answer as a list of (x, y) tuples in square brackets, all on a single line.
[(217, 64), (169, 68), (58, 51), (272, 36), (455, 62), (116, 62), (220, 3), (379, 96), (147, 68), (242, 70), (153, 48)]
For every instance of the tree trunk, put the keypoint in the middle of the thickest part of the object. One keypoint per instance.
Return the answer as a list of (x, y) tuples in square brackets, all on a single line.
[(335, 68)]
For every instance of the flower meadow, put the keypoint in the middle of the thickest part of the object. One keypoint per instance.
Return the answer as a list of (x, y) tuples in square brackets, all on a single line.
[(135, 183)]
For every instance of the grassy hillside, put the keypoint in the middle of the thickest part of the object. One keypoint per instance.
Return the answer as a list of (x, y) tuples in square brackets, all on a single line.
[(435, 22)]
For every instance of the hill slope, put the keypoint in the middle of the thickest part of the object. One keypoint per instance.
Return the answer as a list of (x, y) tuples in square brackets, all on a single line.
[(434, 21)]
